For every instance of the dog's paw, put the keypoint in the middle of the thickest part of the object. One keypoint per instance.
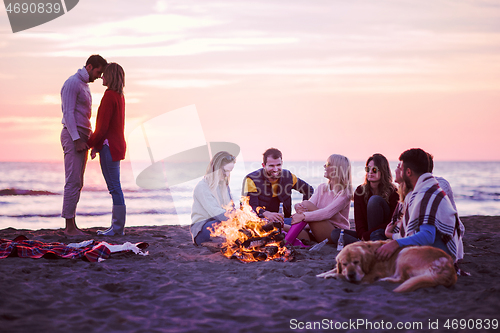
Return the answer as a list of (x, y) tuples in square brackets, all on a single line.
[(329, 274)]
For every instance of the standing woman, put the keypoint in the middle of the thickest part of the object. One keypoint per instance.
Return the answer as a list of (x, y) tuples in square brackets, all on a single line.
[(109, 140), (375, 200), (328, 208), (211, 195)]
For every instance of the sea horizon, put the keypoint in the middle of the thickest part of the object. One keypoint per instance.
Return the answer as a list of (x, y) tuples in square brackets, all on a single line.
[(476, 187)]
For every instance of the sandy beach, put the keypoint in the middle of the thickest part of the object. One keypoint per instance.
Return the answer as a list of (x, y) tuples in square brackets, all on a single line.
[(179, 287)]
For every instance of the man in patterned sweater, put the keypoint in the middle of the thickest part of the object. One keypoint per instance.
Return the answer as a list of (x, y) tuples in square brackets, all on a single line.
[(271, 185)]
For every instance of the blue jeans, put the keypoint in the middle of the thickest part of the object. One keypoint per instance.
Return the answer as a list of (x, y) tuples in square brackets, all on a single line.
[(204, 234), (111, 172)]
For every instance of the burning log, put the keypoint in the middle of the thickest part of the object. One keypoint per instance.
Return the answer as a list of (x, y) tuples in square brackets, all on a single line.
[(274, 237), (259, 256), (254, 242), (249, 238), (271, 250), (250, 256), (270, 226), (246, 232), (277, 236)]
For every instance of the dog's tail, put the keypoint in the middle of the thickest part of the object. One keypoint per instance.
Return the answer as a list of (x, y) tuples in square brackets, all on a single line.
[(441, 272)]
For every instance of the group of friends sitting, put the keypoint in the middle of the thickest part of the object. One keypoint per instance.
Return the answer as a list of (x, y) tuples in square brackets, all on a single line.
[(419, 210)]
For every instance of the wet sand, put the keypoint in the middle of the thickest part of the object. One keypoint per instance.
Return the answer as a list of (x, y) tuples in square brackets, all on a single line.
[(180, 287)]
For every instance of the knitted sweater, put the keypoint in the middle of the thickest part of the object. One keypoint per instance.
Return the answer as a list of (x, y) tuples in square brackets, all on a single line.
[(331, 206), (110, 124), (205, 206), (76, 104)]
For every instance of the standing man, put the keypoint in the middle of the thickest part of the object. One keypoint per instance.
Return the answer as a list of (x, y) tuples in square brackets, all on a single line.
[(77, 109), (272, 185), (429, 218)]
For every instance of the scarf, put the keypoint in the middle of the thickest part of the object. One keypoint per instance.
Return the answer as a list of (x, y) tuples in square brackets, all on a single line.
[(428, 203)]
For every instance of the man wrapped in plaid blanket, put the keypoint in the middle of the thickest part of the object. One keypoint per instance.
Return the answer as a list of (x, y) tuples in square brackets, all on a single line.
[(429, 217)]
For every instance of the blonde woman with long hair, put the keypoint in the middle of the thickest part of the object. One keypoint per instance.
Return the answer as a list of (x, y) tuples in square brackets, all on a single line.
[(211, 197), (109, 140), (328, 208)]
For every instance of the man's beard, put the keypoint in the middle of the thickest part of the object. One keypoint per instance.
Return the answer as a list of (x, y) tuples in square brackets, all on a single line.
[(272, 176), (407, 181)]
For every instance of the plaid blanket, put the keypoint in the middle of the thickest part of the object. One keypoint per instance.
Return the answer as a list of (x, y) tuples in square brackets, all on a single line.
[(397, 217), (428, 203), (24, 248)]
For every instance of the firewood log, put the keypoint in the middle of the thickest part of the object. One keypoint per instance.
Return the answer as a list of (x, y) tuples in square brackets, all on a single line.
[(268, 226), (259, 256), (246, 232), (254, 242), (271, 250)]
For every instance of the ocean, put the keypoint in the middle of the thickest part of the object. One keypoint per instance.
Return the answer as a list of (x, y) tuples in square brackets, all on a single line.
[(39, 186)]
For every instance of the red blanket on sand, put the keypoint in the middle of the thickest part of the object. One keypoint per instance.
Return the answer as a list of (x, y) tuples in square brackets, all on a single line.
[(24, 248)]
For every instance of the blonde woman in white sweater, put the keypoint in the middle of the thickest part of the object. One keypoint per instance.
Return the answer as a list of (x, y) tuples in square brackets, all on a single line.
[(211, 197)]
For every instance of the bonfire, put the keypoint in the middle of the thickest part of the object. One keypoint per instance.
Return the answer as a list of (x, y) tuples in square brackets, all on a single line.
[(249, 238)]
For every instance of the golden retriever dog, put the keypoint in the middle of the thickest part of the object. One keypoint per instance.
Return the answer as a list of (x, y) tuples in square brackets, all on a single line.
[(415, 266)]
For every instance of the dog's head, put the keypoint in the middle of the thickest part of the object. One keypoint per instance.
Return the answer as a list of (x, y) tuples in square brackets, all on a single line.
[(355, 260)]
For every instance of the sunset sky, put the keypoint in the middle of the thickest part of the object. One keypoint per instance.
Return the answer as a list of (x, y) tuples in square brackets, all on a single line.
[(309, 77)]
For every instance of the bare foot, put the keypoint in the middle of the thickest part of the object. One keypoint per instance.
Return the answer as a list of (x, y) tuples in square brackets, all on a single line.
[(71, 228), (74, 232)]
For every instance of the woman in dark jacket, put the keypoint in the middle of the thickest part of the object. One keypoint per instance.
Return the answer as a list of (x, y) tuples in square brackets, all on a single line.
[(374, 203)]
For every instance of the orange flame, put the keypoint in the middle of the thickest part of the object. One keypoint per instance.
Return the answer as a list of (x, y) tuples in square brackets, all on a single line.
[(246, 238)]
